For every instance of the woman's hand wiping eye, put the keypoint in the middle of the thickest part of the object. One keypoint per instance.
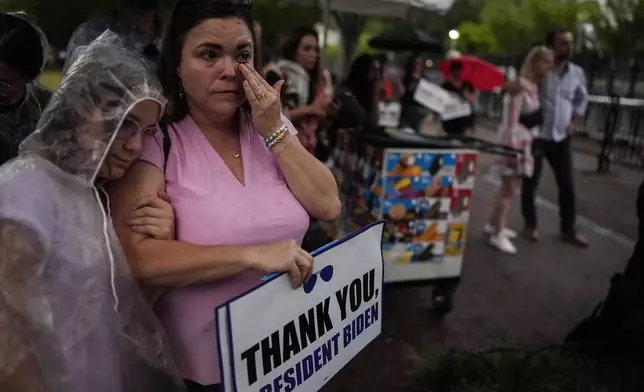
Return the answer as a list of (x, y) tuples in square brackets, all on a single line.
[(264, 100)]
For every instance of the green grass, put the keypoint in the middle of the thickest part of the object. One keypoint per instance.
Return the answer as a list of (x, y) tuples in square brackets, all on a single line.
[(509, 370), (50, 78)]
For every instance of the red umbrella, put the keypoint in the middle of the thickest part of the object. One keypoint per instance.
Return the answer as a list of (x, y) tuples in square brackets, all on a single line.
[(482, 75)]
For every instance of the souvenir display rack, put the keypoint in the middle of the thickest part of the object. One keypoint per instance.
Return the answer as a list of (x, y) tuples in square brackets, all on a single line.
[(422, 187)]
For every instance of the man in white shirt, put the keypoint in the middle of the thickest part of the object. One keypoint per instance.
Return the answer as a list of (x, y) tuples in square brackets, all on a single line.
[(563, 104)]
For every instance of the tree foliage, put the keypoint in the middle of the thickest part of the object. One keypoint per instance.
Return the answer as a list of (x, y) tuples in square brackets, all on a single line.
[(477, 37), (512, 26), (279, 17), (618, 26)]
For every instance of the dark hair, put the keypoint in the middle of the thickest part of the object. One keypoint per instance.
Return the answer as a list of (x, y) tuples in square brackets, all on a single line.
[(185, 15), (21, 46), (292, 45), (551, 37), (411, 63), (359, 83), (455, 65)]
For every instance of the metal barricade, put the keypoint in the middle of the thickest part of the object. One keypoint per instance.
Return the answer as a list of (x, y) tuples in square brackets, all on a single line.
[(618, 125), (613, 128)]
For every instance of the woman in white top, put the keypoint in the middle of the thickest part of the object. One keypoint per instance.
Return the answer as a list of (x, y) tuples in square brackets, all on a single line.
[(521, 122)]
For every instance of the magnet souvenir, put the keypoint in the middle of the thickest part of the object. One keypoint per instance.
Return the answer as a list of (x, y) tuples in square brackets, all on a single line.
[(428, 231), (398, 232), (438, 187), (465, 170), (416, 187), (400, 209), (435, 163), (424, 252), (455, 239), (404, 164), (460, 202), (434, 209)]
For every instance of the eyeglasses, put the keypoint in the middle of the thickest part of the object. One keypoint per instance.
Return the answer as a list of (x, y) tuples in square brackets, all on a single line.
[(325, 273), (130, 128)]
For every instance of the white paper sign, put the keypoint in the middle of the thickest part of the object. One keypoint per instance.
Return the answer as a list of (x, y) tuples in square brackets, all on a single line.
[(456, 109), (277, 339), (447, 105), (389, 114)]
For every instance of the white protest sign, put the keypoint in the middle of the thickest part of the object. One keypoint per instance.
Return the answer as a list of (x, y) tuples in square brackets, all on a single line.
[(456, 109), (447, 105), (389, 114), (277, 339)]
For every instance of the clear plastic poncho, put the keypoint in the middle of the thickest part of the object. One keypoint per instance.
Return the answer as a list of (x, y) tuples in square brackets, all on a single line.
[(72, 318)]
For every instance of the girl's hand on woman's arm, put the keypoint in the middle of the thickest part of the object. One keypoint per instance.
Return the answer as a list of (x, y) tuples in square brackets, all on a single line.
[(153, 215), (167, 262)]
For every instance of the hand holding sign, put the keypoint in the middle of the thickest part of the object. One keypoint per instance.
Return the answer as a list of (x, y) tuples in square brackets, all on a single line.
[(300, 344), (286, 256)]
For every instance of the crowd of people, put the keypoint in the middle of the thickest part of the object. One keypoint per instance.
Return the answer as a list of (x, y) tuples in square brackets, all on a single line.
[(172, 168)]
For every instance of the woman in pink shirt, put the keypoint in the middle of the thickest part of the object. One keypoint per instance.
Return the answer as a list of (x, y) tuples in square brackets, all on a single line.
[(242, 186)]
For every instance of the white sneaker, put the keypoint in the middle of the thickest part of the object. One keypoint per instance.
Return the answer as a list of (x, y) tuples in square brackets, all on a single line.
[(503, 243), (490, 230)]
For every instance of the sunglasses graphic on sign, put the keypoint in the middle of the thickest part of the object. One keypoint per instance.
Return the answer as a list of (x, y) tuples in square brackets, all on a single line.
[(325, 273)]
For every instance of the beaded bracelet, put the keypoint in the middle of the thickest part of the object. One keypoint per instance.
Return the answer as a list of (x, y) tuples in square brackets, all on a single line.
[(281, 138), (276, 137)]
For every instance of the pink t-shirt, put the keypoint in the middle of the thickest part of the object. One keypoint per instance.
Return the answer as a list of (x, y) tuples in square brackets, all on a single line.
[(213, 208)]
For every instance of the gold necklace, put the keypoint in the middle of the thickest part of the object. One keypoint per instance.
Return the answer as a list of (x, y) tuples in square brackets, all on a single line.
[(236, 156)]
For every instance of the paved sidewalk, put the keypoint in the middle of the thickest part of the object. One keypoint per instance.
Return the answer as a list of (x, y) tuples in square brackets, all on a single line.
[(607, 199), (528, 300)]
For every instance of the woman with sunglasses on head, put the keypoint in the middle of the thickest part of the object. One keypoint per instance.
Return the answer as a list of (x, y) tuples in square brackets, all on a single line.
[(242, 185), (72, 318)]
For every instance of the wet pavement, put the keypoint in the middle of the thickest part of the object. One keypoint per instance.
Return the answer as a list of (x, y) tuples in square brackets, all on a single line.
[(529, 300)]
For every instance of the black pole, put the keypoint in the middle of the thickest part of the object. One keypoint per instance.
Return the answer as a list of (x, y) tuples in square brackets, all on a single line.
[(635, 70), (603, 160), (611, 77)]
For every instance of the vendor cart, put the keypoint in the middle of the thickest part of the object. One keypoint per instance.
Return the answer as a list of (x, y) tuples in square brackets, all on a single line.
[(422, 187)]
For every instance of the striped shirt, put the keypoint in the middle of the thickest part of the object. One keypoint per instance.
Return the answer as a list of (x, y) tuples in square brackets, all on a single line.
[(563, 95)]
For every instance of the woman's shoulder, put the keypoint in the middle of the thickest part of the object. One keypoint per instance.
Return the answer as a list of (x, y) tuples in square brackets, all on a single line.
[(169, 138), (178, 130)]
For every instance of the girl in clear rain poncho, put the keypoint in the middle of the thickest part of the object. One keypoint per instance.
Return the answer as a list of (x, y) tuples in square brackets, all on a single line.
[(72, 318)]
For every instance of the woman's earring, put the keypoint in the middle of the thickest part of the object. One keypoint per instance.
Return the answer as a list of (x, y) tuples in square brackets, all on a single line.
[(182, 95)]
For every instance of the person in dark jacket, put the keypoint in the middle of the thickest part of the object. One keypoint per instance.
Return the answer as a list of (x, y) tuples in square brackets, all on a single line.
[(464, 89), (413, 113), (22, 97), (364, 84)]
